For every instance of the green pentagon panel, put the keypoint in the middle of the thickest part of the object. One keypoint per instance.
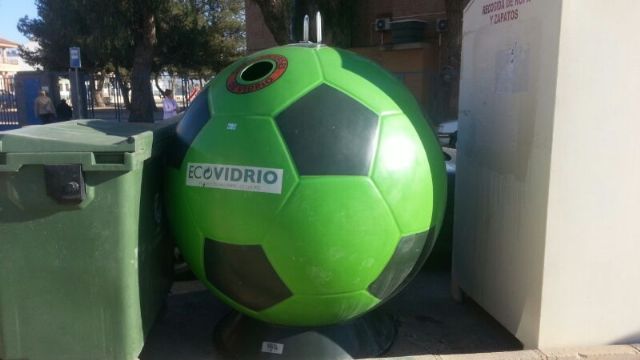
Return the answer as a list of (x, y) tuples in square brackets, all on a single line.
[(355, 75), (194, 119), (435, 158), (249, 176), (326, 310), (401, 164), (438, 177), (404, 259), (329, 133), (334, 235), (302, 74), (244, 274), (363, 79)]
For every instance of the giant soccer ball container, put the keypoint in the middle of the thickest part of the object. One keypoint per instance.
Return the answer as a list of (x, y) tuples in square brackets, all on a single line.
[(306, 187)]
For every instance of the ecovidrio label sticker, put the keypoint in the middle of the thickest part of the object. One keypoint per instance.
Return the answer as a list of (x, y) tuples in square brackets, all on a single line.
[(235, 177)]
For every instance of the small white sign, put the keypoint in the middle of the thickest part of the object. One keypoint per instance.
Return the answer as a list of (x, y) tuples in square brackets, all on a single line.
[(74, 58), (272, 348), (235, 177)]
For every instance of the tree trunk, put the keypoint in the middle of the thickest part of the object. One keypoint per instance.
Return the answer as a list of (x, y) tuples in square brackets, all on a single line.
[(142, 104), (124, 90), (97, 90), (277, 17)]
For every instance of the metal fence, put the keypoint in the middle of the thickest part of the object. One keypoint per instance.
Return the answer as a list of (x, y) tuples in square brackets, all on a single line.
[(112, 93), (8, 107)]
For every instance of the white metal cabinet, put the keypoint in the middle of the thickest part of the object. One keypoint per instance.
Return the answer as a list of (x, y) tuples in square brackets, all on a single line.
[(547, 209)]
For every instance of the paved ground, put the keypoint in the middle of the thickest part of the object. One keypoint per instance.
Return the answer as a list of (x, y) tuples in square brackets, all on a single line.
[(611, 352), (431, 326), (429, 322)]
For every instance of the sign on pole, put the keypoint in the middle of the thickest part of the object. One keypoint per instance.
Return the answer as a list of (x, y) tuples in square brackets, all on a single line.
[(74, 63), (74, 58)]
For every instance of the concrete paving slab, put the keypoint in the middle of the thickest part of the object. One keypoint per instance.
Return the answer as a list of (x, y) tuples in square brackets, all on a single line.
[(610, 352), (510, 355), (430, 322), (417, 357)]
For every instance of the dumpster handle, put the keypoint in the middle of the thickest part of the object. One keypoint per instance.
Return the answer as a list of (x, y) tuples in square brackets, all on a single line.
[(65, 183)]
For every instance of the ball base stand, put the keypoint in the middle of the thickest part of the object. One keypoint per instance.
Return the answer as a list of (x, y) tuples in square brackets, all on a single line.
[(237, 336)]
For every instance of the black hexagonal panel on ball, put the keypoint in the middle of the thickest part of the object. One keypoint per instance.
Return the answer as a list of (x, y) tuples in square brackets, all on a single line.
[(329, 133), (407, 259), (194, 119), (244, 273)]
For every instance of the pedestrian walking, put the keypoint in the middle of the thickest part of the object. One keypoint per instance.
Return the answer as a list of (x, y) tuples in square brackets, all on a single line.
[(43, 107), (169, 105)]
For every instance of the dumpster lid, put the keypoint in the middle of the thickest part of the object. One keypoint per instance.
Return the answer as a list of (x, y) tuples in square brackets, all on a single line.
[(88, 135)]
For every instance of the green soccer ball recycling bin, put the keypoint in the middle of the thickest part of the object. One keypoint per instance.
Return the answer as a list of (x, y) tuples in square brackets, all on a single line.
[(85, 262), (306, 188)]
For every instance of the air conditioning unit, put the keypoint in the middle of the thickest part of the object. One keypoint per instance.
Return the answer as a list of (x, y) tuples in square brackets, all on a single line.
[(408, 31), (382, 24)]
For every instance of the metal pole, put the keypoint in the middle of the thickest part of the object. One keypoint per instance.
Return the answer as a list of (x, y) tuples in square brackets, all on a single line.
[(184, 85), (188, 92), (78, 110), (116, 95), (318, 28), (305, 29), (91, 100)]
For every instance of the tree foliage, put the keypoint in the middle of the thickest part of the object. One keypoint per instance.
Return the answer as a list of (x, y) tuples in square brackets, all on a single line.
[(137, 38), (202, 37)]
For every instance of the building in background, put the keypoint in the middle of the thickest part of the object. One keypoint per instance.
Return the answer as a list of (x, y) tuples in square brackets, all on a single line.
[(10, 60), (418, 41), (10, 63)]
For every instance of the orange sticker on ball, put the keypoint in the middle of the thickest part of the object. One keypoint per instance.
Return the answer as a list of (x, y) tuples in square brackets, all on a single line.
[(257, 74)]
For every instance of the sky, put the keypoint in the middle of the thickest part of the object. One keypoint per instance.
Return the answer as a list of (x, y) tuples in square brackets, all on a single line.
[(10, 12)]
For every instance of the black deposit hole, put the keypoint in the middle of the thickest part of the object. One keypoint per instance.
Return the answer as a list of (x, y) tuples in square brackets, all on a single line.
[(257, 71)]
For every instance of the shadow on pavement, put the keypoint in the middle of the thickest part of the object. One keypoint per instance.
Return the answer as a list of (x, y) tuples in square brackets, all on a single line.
[(428, 320)]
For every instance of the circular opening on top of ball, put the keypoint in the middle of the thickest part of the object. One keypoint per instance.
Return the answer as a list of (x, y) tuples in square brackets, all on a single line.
[(257, 71)]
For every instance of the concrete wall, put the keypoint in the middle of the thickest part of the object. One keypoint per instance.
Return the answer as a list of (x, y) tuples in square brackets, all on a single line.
[(366, 11), (416, 67), (548, 169)]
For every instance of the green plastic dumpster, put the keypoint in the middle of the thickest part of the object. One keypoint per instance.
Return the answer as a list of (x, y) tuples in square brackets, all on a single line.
[(85, 261)]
